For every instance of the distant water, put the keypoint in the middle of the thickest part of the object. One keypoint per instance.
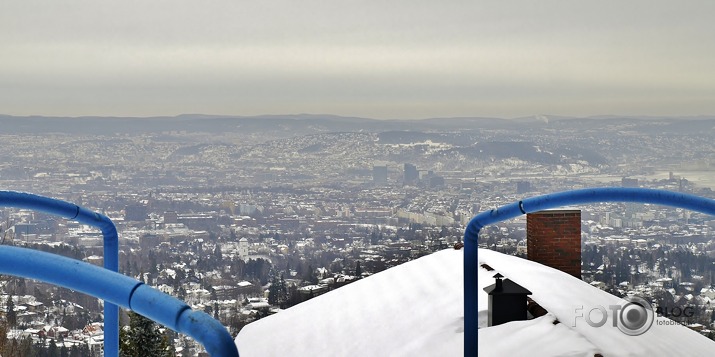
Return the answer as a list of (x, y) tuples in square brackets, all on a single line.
[(701, 178)]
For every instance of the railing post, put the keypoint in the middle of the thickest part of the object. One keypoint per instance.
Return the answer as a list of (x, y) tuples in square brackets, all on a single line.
[(471, 306), (111, 311)]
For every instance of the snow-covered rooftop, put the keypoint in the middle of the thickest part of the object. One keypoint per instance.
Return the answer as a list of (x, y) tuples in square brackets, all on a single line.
[(411, 309), (416, 309)]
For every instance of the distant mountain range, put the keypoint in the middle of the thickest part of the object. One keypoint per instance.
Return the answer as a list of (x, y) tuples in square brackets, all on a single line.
[(302, 124)]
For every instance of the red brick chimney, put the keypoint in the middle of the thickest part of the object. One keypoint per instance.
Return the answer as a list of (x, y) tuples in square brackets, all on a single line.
[(553, 238)]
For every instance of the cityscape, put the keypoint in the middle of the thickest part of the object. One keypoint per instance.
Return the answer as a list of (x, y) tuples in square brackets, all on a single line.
[(357, 178), (245, 217)]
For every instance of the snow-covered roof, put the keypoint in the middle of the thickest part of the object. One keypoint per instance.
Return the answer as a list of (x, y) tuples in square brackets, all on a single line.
[(559, 293), (417, 309), (412, 309), (259, 305)]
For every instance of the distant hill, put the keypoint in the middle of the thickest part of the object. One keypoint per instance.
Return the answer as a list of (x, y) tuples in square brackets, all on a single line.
[(302, 124)]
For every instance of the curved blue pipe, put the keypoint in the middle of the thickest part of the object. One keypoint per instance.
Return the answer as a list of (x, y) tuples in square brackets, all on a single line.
[(554, 200), (85, 216), (120, 290)]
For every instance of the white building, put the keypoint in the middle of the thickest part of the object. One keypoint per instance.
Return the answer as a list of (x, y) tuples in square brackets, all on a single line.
[(243, 249)]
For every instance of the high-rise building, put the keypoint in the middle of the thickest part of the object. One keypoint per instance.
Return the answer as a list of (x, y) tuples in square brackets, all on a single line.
[(243, 249), (411, 175), (171, 217), (379, 174), (135, 212), (436, 181)]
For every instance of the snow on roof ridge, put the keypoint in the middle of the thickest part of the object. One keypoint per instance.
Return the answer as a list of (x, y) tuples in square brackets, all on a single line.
[(417, 309), (560, 294), (412, 309)]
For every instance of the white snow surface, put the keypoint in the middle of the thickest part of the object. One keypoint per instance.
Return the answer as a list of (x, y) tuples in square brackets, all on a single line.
[(415, 309), (559, 293), (412, 309), (537, 337)]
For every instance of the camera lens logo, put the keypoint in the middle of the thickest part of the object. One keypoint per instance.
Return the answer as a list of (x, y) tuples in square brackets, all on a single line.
[(635, 316)]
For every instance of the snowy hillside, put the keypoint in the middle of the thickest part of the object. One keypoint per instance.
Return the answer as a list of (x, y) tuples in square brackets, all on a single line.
[(416, 309)]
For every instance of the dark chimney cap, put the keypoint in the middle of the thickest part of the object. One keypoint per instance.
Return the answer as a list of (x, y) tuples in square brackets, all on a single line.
[(506, 287)]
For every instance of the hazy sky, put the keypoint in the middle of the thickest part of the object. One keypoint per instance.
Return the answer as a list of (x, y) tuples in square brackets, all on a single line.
[(380, 59)]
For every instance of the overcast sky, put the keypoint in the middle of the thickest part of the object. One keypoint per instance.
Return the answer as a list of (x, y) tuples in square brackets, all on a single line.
[(380, 59)]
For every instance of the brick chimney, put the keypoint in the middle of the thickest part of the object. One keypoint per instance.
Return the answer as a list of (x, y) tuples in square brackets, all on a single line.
[(553, 238)]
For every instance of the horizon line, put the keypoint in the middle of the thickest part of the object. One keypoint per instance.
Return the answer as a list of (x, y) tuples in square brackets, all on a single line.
[(297, 116)]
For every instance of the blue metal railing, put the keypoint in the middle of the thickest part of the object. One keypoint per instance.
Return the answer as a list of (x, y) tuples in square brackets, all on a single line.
[(119, 290), (85, 216), (538, 203)]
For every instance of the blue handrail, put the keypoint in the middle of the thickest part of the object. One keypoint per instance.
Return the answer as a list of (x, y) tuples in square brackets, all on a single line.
[(85, 216), (120, 290), (538, 203)]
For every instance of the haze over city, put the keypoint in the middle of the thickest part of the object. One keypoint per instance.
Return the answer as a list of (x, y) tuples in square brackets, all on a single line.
[(397, 59)]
